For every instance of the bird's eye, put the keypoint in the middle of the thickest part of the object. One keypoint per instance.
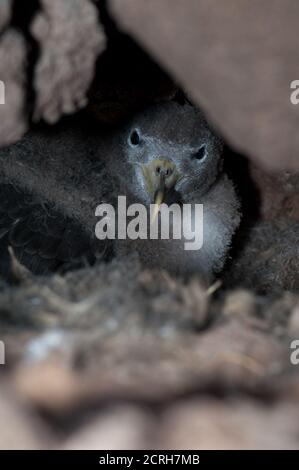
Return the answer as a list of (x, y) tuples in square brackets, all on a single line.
[(200, 154), (135, 138)]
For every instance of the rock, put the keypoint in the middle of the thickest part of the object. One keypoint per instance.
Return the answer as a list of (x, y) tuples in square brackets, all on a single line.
[(210, 424), (5, 13), (70, 39), (19, 429), (12, 75), (236, 60), (122, 427)]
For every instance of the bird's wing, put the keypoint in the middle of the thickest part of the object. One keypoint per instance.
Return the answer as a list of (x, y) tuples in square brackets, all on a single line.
[(42, 239)]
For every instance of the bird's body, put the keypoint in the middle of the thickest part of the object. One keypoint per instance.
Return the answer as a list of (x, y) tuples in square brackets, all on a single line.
[(219, 221), (52, 182)]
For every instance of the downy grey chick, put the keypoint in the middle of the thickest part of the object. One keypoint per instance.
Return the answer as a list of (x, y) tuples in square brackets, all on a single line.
[(49, 190), (169, 152)]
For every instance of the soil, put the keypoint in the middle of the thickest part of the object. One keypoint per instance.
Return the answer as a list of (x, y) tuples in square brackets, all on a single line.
[(115, 356)]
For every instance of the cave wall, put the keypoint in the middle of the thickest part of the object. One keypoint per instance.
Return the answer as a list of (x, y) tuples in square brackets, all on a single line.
[(236, 59)]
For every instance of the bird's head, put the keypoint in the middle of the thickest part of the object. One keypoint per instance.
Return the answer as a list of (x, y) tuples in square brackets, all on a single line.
[(169, 154)]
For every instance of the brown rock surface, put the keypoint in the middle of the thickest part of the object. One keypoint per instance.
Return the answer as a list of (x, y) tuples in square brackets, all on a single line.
[(209, 424), (19, 430), (5, 12), (235, 58), (12, 74), (70, 39)]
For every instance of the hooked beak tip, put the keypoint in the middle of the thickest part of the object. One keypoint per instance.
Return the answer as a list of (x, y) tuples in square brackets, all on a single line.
[(158, 199)]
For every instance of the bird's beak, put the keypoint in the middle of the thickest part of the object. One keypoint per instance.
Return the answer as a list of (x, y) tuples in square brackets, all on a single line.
[(158, 199), (159, 177)]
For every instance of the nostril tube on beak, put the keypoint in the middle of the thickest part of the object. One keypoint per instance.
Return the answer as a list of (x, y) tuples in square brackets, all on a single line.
[(160, 175), (164, 168)]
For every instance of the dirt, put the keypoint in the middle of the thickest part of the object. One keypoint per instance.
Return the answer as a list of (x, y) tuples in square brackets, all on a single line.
[(115, 356)]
